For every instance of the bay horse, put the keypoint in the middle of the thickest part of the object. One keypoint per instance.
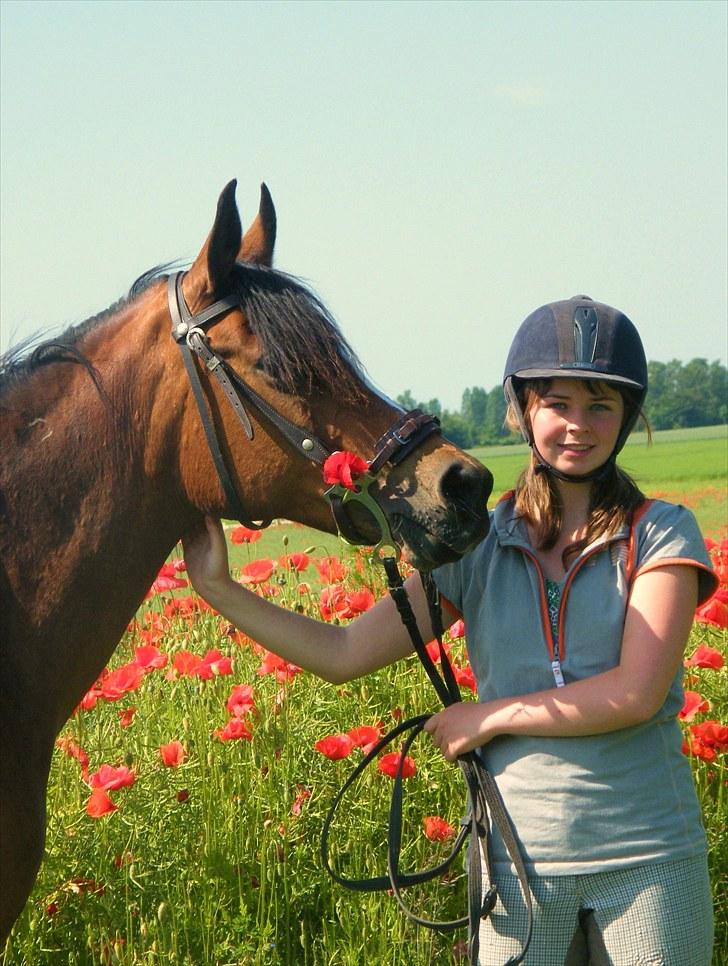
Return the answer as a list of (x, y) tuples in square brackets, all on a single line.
[(105, 464)]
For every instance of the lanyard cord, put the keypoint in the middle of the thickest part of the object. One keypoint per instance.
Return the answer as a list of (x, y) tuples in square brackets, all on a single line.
[(485, 800)]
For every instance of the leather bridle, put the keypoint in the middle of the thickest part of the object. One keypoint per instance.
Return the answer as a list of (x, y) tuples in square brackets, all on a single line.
[(405, 435)]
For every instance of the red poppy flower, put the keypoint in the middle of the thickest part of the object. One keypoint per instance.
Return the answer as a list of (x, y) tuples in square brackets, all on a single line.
[(364, 737), (74, 750), (126, 716), (331, 569), (183, 606), (457, 629), (234, 729), (705, 656), (335, 601), (111, 778), (332, 602), (283, 670), (437, 829), (167, 570), (243, 534), (720, 565), (183, 794), (148, 657), (295, 561), (99, 804), (126, 678), (302, 794), (706, 740), (388, 765), (714, 611), (433, 649), (335, 746), (359, 601), (712, 733), (214, 664), (694, 704), (256, 572), (465, 677), (344, 467), (172, 754), (241, 700), (184, 664), (163, 583)]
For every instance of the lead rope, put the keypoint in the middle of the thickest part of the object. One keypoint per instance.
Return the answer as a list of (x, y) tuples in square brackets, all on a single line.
[(485, 802)]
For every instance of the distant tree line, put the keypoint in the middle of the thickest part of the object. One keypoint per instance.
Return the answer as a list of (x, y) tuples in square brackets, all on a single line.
[(681, 394)]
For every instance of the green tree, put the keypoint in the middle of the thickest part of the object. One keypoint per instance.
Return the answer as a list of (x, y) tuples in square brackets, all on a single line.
[(474, 411)]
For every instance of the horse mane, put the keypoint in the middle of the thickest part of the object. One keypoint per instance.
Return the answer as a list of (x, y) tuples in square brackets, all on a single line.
[(302, 348)]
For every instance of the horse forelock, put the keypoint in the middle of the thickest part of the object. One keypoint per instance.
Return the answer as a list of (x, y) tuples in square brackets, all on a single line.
[(302, 348)]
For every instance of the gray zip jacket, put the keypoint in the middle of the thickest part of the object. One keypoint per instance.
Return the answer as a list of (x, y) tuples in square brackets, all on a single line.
[(600, 802)]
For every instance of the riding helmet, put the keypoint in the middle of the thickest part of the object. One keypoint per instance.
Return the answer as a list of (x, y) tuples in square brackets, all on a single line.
[(578, 338)]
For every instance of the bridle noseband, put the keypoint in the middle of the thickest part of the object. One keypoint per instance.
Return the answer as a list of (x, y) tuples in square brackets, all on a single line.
[(407, 433)]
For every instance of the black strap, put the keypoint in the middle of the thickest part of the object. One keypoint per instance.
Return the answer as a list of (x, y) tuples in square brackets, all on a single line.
[(486, 803)]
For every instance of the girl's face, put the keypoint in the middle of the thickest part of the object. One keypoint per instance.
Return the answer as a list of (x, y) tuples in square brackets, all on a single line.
[(575, 426)]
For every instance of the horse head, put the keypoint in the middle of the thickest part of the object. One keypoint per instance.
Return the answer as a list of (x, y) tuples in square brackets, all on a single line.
[(301, 395)]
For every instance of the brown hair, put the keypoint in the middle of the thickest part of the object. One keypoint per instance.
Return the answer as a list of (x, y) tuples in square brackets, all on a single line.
[(612, 500)]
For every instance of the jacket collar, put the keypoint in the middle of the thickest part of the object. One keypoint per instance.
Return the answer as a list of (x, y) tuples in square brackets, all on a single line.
[(511, 530)]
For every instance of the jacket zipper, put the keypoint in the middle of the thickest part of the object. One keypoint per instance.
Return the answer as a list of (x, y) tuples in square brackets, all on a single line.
[(555, 649)]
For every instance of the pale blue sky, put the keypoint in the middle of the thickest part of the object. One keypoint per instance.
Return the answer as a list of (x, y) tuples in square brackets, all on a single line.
[(439, 169)]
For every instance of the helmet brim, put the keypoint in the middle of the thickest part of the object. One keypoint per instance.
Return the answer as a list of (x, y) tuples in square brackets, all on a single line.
[(567, 372)]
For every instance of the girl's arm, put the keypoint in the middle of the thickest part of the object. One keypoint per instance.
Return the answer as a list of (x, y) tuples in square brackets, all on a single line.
[(334, 652), (657, 624)]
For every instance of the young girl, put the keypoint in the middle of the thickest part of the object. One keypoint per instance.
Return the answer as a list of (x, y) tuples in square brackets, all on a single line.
[(577, 607)]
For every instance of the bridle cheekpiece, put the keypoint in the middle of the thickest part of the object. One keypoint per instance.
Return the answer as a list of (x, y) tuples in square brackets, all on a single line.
[(407, 433)]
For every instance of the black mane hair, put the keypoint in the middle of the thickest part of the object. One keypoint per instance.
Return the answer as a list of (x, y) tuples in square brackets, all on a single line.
[(302, 348)]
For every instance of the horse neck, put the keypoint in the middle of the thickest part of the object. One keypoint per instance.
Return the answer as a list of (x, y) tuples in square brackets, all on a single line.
[(91, 508)]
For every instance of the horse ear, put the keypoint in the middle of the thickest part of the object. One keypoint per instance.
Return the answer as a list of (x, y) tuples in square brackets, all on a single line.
[(212, 267), (260, 238)]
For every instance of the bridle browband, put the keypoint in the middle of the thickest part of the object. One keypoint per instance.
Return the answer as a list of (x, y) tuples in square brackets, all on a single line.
[(407, 433)]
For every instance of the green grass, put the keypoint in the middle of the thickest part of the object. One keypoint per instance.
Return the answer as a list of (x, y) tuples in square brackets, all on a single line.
[(231, 876)]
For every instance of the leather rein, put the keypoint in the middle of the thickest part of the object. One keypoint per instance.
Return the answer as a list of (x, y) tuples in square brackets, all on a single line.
[(407, 433)]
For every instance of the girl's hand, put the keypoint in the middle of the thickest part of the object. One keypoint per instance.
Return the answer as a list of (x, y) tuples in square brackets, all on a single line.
[(459, 728), (206, 558)]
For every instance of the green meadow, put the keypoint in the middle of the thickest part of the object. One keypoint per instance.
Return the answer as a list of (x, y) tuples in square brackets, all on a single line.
[(211, 857)]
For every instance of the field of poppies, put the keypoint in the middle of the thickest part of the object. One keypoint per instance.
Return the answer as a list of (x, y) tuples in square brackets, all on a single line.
[(189, 789)]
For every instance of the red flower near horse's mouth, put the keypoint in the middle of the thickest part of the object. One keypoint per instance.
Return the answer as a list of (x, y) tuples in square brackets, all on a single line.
[(344, 467)]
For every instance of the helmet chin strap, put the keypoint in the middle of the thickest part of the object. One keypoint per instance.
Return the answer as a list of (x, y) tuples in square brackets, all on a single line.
[(595, 476)]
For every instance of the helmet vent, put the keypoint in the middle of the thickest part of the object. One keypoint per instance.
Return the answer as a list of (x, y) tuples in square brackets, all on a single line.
[(586, 329)]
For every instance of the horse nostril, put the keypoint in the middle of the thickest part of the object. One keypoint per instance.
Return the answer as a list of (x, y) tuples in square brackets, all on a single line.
[(468, 486)]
